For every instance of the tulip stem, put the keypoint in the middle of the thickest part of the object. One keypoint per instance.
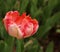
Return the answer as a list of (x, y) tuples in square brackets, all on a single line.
[(20, 46)]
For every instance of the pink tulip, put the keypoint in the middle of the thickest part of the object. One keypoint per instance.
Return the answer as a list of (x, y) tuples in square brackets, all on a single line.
[(20, 26)]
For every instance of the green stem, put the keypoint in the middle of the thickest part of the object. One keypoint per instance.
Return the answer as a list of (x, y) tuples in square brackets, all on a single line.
[(20, 46)]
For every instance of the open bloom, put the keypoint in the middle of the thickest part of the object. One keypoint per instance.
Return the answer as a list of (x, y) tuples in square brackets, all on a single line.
[(20, 26)]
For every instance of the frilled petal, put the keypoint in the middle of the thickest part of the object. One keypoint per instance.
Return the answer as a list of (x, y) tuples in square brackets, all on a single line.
[(12, 15), (27, 28), (35, 23), (20, 19)]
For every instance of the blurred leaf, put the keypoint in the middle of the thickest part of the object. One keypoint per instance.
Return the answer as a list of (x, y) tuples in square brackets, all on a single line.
[(40, 49), (3, 32), (2, 8), (32, 45), (51, 5), (48, 9), (10, 4), (40, 3), (33, 7), (10, 44), (17, 5), (38, 12), (50, 47), (50, 22), (1, 29), (2, 45), (23, 5)]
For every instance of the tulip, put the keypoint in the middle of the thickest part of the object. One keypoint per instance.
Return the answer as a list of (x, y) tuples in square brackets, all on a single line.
[(20, 26)]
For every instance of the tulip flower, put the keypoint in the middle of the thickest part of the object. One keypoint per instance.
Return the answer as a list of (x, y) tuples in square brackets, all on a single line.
[(20, 26)]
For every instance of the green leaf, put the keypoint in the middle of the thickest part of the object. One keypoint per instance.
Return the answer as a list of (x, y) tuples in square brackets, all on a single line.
[(38, 12), (17, 5), (32, 45), (10, 4), (33, 8), (2, 8), (23, 5), (50, 47), (2, 45), (3, 33), (10, 44), (50, 22), (41, 3), (49, 8), (51, 5)]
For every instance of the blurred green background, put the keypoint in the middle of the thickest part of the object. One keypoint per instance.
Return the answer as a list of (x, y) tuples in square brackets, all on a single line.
[(46, 39)]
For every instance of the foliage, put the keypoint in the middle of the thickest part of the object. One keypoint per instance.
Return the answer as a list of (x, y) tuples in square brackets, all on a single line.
[(47, 12)]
